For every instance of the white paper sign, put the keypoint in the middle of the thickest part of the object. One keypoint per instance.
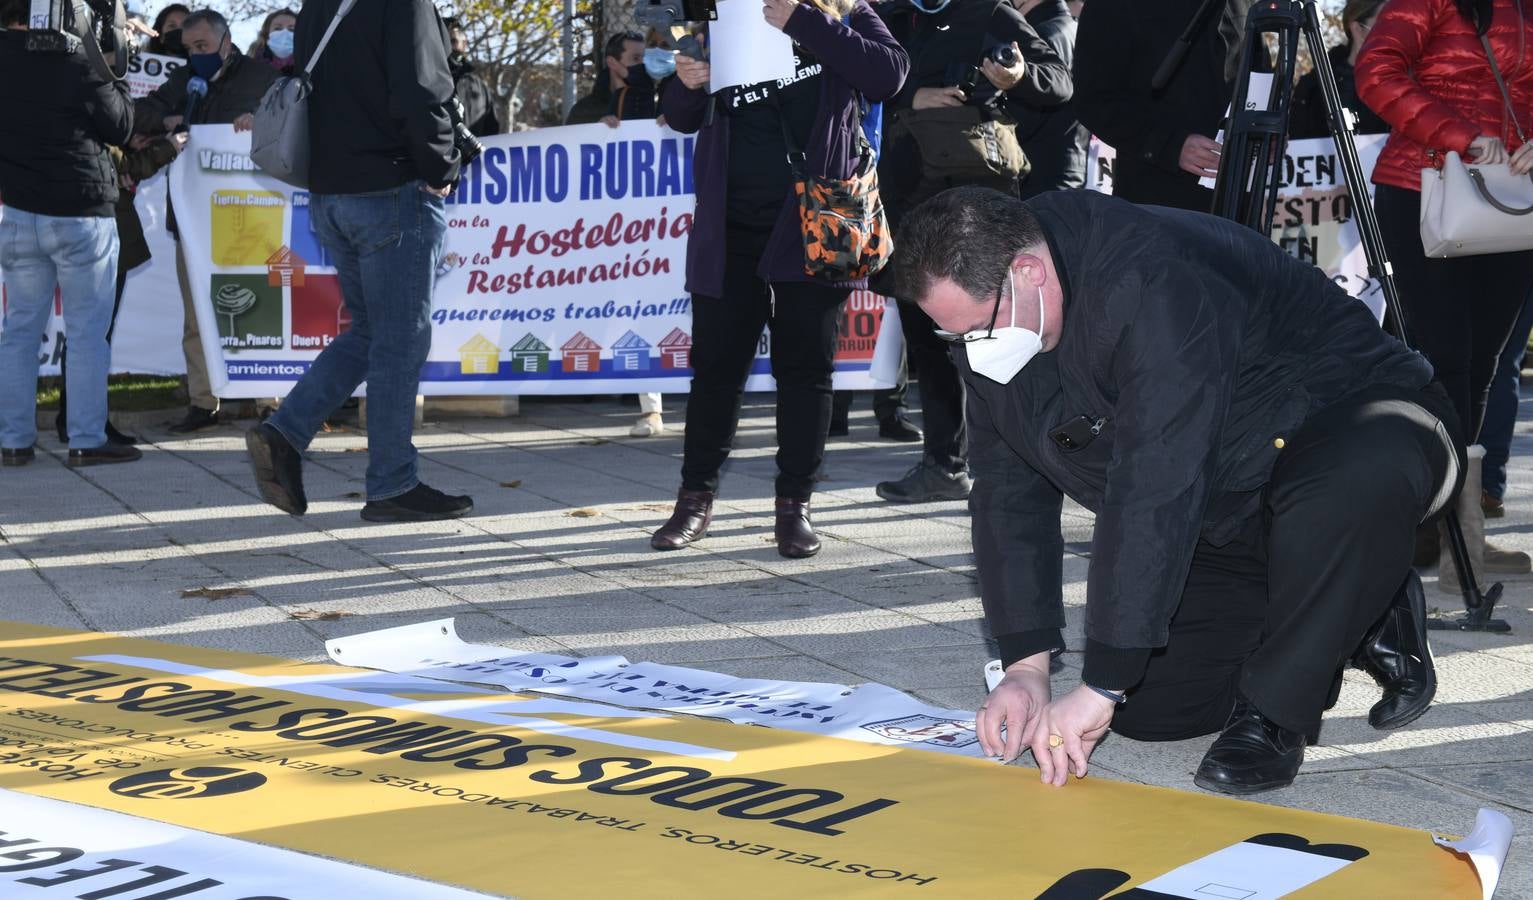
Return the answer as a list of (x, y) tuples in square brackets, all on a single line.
[(57, 840), (1486, 847), (871, 713), (744, 49)]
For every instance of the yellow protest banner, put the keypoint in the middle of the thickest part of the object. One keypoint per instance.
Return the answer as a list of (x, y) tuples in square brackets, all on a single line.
[(542, 798)]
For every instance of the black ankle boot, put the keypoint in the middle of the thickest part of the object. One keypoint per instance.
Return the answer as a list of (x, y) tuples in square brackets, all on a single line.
[(1396, 654), (1253, 754)]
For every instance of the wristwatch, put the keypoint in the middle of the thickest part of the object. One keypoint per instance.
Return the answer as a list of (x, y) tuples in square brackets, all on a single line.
[(1114, 696)]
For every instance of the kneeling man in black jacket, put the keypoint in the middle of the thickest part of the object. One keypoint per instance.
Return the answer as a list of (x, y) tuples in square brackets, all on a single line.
[(1257, 451)]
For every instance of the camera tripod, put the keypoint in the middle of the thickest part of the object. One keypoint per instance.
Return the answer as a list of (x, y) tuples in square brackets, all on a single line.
[(1246, 191)]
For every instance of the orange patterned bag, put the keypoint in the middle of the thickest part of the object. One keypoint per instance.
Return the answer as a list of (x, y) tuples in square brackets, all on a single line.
[(846, 234)]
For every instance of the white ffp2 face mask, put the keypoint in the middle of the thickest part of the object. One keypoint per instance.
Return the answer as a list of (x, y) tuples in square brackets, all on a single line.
[(1009, 349)]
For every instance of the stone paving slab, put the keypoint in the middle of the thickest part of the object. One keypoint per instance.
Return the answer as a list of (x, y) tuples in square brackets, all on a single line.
[(556, 559)]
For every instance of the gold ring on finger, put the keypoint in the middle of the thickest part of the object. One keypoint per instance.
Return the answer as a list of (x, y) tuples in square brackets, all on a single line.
[(1056, 740)]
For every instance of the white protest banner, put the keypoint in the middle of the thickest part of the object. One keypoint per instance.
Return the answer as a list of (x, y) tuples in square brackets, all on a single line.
[(1313, 220), (562, 271), (97, 853), (870, 713), (745, 48)]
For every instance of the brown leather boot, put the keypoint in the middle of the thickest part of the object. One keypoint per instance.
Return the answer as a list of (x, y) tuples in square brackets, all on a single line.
[(795, 535), (688, 522)]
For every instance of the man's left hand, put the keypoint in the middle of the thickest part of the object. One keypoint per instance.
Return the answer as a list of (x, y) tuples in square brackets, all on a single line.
[(1077, 721), (245, 122), (1004, 77), (777, 12)]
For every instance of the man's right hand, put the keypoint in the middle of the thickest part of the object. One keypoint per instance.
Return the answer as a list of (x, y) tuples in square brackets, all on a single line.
[(693, 73), (172, 123), (933, 97), (1200, 156), (1015, 703)]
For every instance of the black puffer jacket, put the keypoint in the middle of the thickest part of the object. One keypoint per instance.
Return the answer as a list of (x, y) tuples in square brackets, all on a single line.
[(1055, 141), (57, 117), (1196, 343)]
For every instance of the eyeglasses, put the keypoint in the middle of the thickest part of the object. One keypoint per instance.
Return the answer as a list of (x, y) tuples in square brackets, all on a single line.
[(969, 337)]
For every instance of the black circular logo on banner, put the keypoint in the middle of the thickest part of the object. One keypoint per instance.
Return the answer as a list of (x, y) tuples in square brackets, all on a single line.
[(185, 784)]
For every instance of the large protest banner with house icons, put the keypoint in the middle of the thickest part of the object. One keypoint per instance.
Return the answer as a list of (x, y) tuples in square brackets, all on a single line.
[(563, 270)]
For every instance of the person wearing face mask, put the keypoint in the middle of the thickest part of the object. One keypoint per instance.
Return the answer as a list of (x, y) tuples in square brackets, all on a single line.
[(235, 86), (1257, 451), (274, 45)]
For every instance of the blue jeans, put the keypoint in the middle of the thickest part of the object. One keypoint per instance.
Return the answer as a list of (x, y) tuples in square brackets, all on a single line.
[(385, 246), (1501, 407), (80, 256)]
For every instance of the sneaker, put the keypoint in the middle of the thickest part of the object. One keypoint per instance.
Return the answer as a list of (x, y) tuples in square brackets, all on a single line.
[(648, 425), (926, 482), (196, 419), (419, 504), (1500, 561), (106, 454), (278, 467), (18, 457)]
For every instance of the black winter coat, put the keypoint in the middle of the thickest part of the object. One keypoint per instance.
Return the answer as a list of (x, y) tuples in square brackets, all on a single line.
[(1052, 136), (1197, 343), (378, 117), (57, 118), (1119, 47), (1310, 118)]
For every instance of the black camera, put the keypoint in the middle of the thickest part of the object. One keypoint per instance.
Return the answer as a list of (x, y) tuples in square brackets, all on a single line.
[(1004, 55), (467, 143), (64, 26), (665, 15)]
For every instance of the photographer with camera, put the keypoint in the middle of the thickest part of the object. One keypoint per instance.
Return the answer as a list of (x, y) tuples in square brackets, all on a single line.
[(387, 144), (217, 86), (748, 261), (59, 186), (969, 61)]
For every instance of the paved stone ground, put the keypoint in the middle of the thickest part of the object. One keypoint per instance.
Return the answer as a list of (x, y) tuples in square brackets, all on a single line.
[(556, 558)]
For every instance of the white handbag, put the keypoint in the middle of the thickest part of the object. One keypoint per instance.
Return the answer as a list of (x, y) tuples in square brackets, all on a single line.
[(279, 140), (1469, 209)]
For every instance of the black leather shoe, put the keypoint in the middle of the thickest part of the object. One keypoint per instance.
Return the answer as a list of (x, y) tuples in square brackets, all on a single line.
[(689, 521), (926, 482), (418, 504), (104, 455), (795, 533), (18, 457), (196, 419), (278, 468), (1395, 653), (1253, 754), (899, 428), (113, 436)]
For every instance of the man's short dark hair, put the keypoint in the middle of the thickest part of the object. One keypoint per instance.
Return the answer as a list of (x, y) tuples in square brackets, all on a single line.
[(208, 17), (14, 12), (967, 235), (615, 43)]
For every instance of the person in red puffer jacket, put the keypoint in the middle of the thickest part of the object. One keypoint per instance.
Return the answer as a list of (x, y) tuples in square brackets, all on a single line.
[(1424, 70)]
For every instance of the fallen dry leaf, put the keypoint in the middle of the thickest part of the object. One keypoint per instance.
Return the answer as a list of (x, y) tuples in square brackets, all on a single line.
[(317, 615), (216, 593), (582, 513), (511, 484), (355, 450), (353, 495)]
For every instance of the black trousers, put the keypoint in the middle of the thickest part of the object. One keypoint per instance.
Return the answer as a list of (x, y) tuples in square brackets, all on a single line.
[(946, 440), (1458, 311), (725, 334), (1275, 613)]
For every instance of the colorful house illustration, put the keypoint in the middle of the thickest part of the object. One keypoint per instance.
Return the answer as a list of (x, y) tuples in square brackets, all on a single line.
[(285, 268), (676, 350), (530, 355), (581, 354), (479, 356), (630, 353)]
